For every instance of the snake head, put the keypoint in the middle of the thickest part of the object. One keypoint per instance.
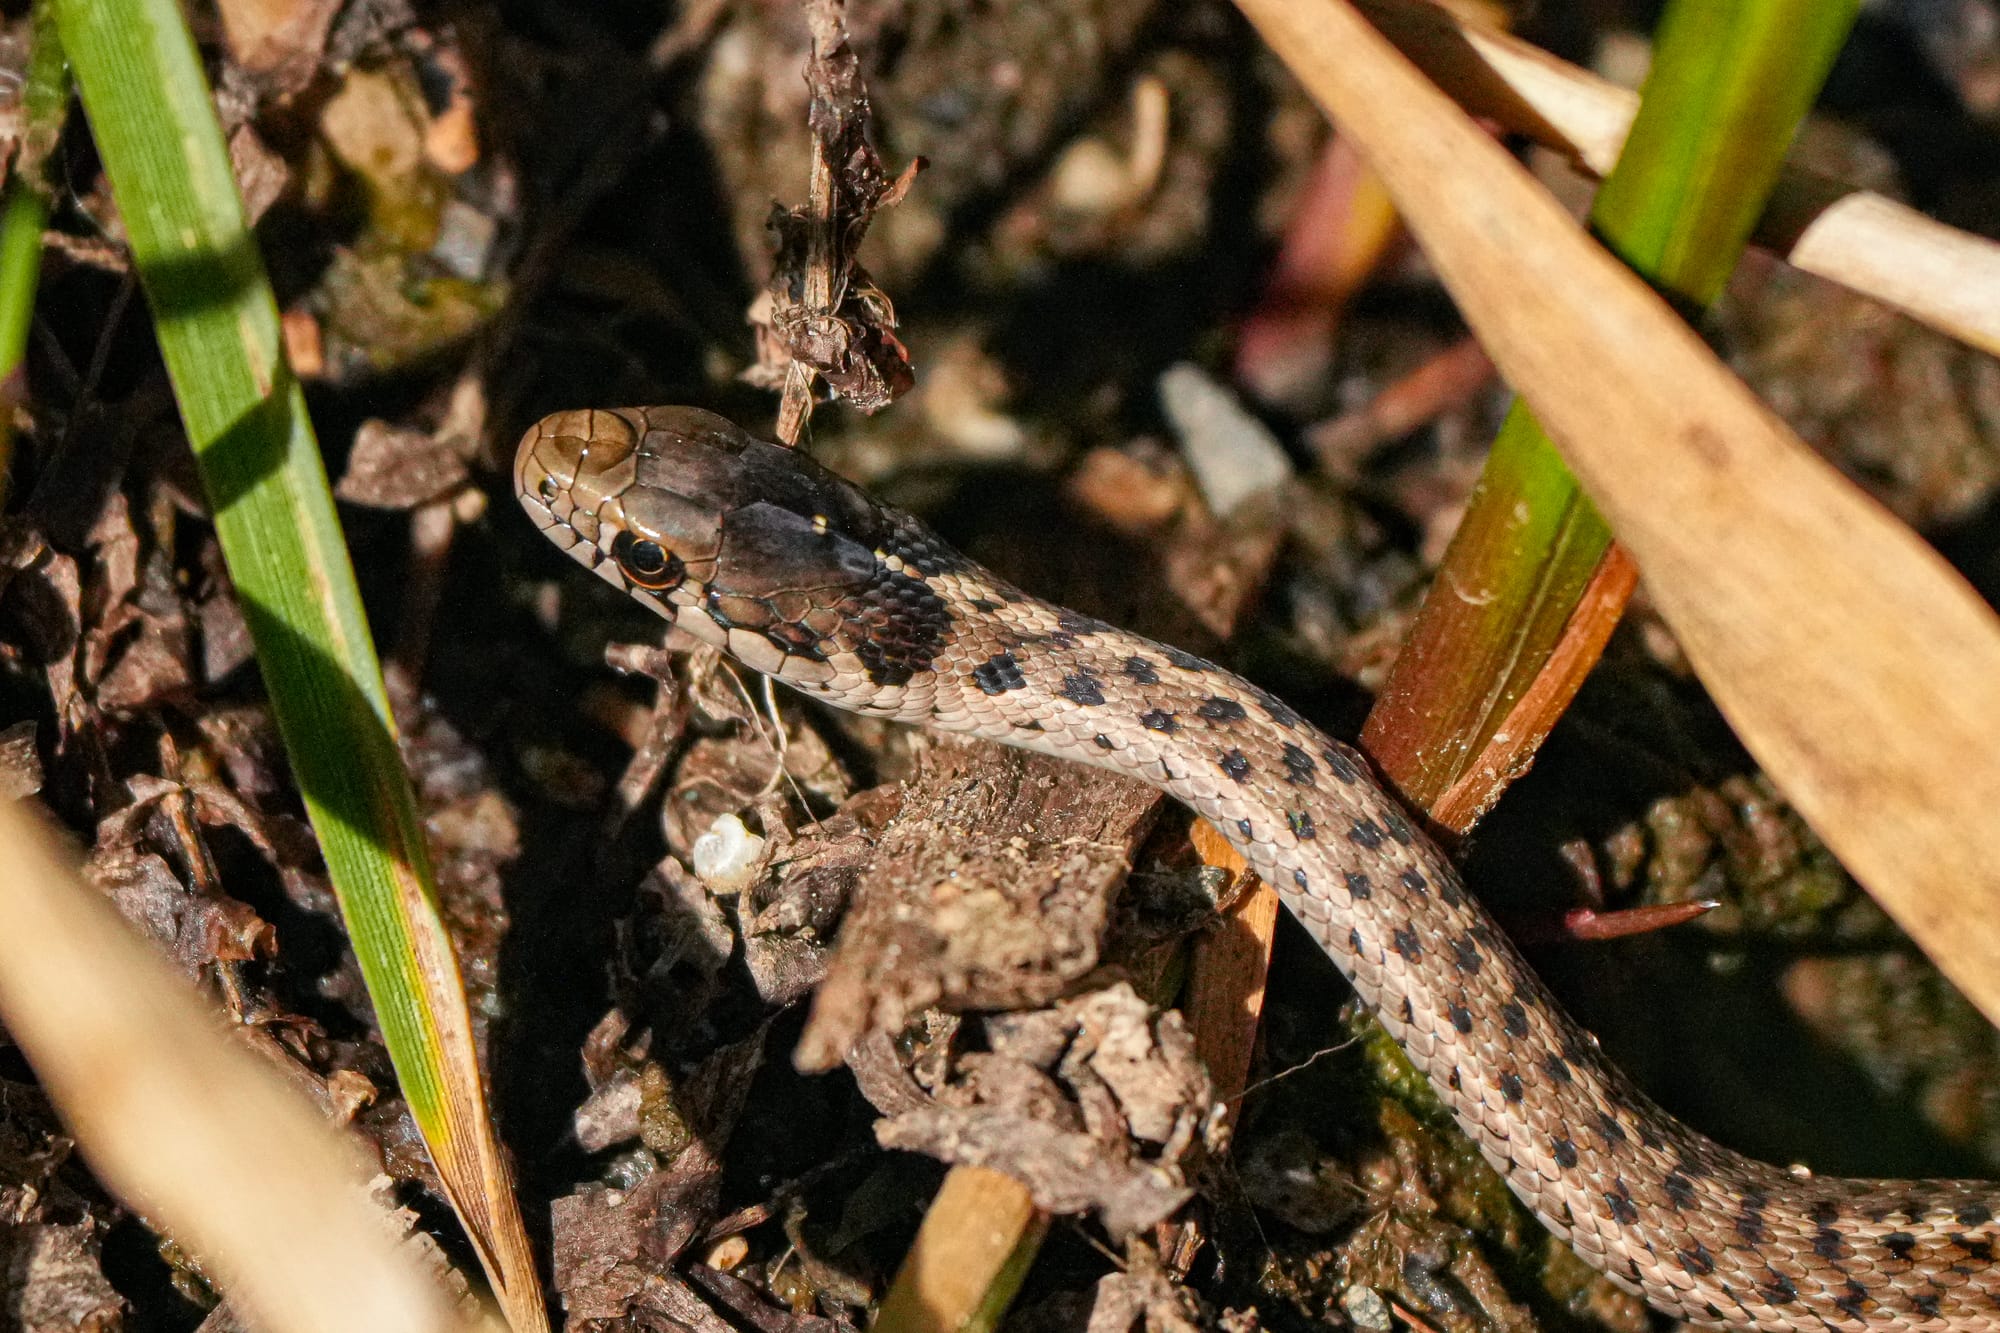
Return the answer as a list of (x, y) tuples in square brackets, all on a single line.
[(746, 544)]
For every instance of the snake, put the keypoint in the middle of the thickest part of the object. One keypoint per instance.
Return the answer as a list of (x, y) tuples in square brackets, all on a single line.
[(796, 573)]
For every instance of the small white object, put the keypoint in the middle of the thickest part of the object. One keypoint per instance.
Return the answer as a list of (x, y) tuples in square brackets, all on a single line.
[(1232, 455), (728, 856), (1365, 1307)]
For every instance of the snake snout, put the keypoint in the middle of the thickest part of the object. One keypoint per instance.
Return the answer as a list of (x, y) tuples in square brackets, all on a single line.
[(569, 464)]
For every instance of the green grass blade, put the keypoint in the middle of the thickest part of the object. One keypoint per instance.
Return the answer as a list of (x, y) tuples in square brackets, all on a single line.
[(24, 212), (1731, 80), (217, 322)]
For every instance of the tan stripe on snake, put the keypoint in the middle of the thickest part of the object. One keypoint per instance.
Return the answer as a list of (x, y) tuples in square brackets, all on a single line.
[(797, 574)]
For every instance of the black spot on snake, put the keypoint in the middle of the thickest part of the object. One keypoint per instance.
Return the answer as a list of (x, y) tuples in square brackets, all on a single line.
[(1185, 661), (1778, 1289), (1565, 1152), (1515, 1018), (1697, 1260), (1298, 765), (1608, 1128), (1243, 827), (1278, 710), (1234, 764), (1104, 742), (1302, 824), (1142, 671), (1080, 687), (1854, 1301), (982, 604), (911, 625), (1070, 622), (999, 674), (1354, 941), (1366, 833), (1558, 1071), (1830, 1245), (920, 551), (1974, 1215), (1218, 709), (1399, 827), (1413, 880), (1680, 1190), (1340, 765), (1155, 720), (1901, 1244), (1406, 943), (1358, 886), (1299, 878), (1465, 956), (1461, 1018), (1511, 1087), (1619, 1200)]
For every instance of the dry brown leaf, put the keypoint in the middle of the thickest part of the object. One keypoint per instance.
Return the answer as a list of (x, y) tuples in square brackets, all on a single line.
[(188, 1126), (1856, 665), (1870, 244)]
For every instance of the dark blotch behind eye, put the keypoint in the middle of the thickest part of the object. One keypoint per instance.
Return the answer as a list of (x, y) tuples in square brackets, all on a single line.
[(646, 564)]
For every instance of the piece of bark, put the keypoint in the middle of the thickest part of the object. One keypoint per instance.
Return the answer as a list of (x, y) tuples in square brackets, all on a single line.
[(990, 889), (610, 1247), (1117, 1125)]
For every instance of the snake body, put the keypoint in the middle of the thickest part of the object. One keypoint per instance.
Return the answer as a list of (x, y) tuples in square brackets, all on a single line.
[(800, 575)]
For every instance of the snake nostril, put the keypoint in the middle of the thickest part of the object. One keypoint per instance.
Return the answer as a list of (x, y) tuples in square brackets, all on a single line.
[(548, 490)]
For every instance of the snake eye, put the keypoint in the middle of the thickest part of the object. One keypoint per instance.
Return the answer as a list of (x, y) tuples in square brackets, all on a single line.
[(646, 564)]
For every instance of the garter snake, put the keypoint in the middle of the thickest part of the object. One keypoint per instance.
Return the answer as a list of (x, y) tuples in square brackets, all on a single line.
[(800, 575)]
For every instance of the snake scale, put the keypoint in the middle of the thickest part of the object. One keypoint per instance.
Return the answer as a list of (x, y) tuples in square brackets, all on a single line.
[(798, 574)]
